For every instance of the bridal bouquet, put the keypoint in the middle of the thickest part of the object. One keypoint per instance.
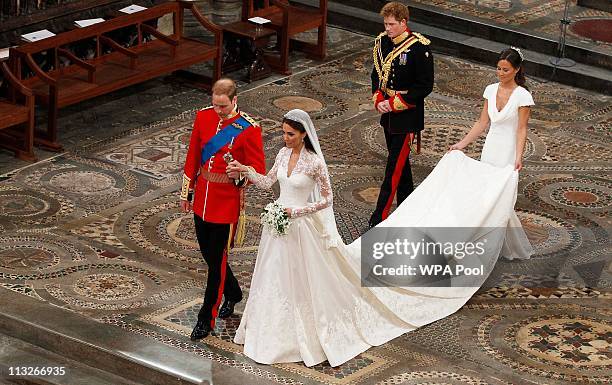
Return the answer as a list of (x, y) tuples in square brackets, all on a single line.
[(275, 218)]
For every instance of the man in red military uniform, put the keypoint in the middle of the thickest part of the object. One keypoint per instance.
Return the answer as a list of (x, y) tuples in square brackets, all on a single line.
[(220, 133)]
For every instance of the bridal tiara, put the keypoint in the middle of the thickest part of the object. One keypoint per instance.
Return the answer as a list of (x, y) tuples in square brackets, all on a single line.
[(518, 50)]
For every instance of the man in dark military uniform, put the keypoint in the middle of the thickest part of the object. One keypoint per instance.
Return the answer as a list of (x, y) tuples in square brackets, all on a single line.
[(402, 77)]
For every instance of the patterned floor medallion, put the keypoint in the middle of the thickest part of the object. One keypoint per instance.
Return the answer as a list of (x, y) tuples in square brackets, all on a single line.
[(568, 347), (568, 342), (28, 258), (158, 155), (547, 234), (290, 102), (473, 82), (22, 206), (88, 184), (578, 196), (84, 182), (19, 205), (38, 256), (109, 287)]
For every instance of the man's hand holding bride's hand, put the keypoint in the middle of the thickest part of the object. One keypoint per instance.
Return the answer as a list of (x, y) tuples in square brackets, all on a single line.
[(383, 107), (456, 146), (234, 168)]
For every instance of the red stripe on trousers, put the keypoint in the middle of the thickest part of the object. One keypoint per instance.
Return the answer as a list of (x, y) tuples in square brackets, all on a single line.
[(397, 173), (215, 309)]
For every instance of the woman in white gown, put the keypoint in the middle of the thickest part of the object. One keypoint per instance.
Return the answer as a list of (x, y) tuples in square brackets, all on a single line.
[(307, 302), (507, 108)]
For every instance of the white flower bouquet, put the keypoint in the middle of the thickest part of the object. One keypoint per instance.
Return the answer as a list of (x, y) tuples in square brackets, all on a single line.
[(275, 219)]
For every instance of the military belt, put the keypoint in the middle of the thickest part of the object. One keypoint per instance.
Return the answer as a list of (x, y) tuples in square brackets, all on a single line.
[(395, 92), (215, 177)]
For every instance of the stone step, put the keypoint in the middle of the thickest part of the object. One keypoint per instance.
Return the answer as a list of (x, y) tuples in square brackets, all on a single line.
[(105, 347), (17, 356), (506, 34), (473, 48)]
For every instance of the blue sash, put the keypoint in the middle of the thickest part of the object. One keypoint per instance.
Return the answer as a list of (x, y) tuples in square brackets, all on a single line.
[(223, 137)]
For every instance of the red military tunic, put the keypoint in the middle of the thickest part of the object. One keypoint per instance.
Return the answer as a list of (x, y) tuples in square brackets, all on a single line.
[(216, 200)]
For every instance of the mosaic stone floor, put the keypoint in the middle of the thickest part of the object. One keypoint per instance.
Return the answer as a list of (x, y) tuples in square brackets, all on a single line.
[(532, 16), (97, 229)]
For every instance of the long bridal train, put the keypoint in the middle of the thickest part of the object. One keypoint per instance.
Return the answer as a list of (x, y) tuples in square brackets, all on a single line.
[(307, 302)]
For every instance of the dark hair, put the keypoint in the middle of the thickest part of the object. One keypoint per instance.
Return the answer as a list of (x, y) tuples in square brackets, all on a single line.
[(300, 127), (512, 56)]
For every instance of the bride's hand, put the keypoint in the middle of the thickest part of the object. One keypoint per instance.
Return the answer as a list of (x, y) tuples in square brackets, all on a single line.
[(456, 146), (234, 166), (518, 165), (288, 211)]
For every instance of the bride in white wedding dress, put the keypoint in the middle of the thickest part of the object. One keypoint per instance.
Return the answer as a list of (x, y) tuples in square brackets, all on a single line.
[(307, 302)]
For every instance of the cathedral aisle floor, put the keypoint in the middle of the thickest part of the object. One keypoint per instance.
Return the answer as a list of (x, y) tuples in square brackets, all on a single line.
[(98, 230)]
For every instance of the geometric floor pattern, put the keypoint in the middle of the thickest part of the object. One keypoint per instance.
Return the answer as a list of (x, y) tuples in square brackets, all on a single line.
[(98, 230)]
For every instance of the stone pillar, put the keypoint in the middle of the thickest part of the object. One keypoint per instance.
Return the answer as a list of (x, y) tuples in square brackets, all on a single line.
[(205, 7), (192, 27)]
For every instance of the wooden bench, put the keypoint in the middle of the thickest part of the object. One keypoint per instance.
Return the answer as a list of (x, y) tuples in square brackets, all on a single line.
[(106, 72), (17, 110)]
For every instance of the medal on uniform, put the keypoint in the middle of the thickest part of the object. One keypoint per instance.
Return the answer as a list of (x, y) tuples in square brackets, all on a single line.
[(403, 58)]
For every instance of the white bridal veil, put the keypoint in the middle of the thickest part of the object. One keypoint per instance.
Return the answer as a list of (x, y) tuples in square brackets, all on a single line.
[(326, 216)]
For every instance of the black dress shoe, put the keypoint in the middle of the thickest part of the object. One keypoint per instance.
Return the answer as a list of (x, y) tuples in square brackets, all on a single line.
[(373, 222), (227, 309), (201, 330)]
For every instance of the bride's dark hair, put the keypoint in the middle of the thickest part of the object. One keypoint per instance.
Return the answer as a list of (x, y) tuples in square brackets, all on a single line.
[(512, 56), (300, 127)]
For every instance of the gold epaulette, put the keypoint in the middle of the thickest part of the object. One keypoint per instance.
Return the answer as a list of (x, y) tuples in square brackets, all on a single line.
[(422, 39), (248, 118)]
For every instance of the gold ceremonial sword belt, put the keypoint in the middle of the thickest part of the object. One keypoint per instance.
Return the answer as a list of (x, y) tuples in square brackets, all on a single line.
[(215, 177), (390, 92)]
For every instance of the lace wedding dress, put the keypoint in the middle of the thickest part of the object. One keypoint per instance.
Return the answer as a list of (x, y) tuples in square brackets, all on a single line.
[(306, 301)]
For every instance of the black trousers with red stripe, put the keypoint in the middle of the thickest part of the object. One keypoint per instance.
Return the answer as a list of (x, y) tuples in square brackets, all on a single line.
[(398, 175), (212, 238)]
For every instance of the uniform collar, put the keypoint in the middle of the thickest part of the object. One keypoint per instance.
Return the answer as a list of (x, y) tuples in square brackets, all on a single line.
[(401, 37), (232, 114)]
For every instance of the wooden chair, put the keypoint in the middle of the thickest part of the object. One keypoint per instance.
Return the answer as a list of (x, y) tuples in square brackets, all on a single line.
[(289, 20), (17, 111)]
